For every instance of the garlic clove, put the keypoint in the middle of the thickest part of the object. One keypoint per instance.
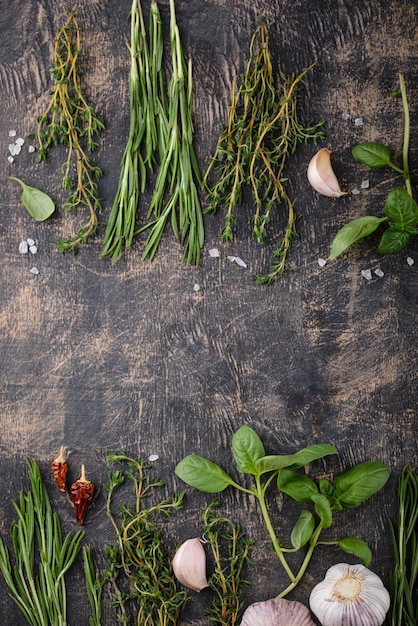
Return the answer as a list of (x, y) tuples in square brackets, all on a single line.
[(189, 565), (277, 612), (351, 595), (321, 175)]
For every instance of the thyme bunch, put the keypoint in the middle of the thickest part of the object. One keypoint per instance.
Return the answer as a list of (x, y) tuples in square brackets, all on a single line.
[(42, 556), (147, 129), (71, 122), (139, 568), (262, 131), (230, 549)]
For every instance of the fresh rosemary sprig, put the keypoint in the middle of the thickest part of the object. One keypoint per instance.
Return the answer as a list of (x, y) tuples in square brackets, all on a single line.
[(42, 557), (71, 122), (179, 168), (147, 131), (404, 579), (230, 549), (262, 131), (139, 568)]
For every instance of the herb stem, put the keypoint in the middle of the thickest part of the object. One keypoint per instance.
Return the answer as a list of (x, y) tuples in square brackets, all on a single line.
[(407, 127), (312, 545)]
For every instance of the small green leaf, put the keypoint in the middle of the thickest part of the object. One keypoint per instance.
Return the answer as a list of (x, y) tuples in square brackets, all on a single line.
[(247, 448), (202, 474), (360, 483), (294, 461), (358, 547), (325, 487), (37, 203), (302, 530), (374, 155), (323, 509), (401, 208), (299, 487), (354, 231), (393, 240)]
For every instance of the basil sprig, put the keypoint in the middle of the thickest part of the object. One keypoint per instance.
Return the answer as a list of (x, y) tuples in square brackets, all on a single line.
[(325, 497)]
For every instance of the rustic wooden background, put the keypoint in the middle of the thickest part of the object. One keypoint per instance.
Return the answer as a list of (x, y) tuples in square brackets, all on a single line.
[(99, 357)]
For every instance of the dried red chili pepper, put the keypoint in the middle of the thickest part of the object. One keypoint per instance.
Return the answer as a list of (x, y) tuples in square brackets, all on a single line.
[(81, 495), (59, 469)]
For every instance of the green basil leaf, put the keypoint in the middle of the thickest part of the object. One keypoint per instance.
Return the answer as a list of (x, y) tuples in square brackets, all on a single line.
[(37, 203), (401, 208), (299, 487), (323, 509), (247, 448), (302, 530), (358, 547), (202, 474), (294, 461), (325, 487), (360, 483), (393, 240), (354, 231), (374, 155)]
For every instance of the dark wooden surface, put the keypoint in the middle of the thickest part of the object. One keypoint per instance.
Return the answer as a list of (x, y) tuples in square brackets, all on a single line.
[(99, 357)]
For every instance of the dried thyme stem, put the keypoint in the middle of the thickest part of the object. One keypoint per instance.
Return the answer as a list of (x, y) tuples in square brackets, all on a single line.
[(262, 131), (69, 121)]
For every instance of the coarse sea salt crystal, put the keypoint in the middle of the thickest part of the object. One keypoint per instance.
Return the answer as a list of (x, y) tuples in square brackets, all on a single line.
[(23, 247), (196, 287), (358, 121), (33, 249), (365, 184), (322, 262), (31, 242), (31, 149), (153, 457), (355, 191), (410, 261), (237, 260), (379, 272), (17, 149), (214, 252), (10, 159), (12, 149), (20, 141), (34, 270), (366, 274), (345, 116), (12, 133)]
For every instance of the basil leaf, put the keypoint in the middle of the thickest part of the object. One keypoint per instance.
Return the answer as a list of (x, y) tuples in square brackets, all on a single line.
[(294, 461), (358, 547), (393, 240), (302, 530), (202, 474), (323, 509), (401, 208), (247, 448), (360, 483), (354, 231), (37, 203), (325, 487), (374, 155), (299, 487)]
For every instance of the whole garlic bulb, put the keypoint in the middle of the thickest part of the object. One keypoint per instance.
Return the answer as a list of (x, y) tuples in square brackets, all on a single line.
[(189, 564), (321, 175), (351, 595), (277, 612)]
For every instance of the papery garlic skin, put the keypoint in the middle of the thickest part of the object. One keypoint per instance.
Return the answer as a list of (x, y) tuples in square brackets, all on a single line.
[(189, 564), (351, 595), (277, 612), (321, 175)]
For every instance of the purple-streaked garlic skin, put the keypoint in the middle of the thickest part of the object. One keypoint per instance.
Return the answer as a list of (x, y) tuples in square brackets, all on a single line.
[(321, 175), (351, 595), (277, 612), (189, 565)]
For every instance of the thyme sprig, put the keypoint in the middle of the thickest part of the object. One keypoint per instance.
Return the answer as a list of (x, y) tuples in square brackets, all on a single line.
[(71, 122), (139, 568), (230, 549), (404, 578), (147, 130), (262, 131), (42, 556)]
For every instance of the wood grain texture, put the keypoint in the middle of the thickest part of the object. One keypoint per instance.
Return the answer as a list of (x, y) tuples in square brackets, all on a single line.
[(101, 357)]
